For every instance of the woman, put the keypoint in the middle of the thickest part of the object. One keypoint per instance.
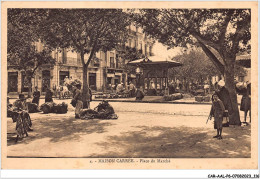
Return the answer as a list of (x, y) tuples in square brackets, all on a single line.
[(224, 96), (246, 103), (217, 110)]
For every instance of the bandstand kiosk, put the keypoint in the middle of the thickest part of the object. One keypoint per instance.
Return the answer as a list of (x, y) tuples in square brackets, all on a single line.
[(152, 74)]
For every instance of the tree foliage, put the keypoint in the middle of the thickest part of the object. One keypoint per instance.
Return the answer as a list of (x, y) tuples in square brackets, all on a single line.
[(196, 66), (85, 31), (227, 31), (129, 54), (22, 35), (221, 33)]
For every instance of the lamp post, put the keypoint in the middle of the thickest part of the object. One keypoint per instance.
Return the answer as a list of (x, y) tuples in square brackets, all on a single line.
[(138, 74)]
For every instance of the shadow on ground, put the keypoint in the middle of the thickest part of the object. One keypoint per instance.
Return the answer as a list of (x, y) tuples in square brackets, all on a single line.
[(178, 142), (60, 129)]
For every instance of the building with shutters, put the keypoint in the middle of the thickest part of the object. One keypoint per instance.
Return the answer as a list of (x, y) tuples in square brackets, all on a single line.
[(106, 67)]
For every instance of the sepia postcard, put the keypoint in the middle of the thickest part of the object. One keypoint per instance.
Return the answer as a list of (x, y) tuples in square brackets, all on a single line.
[(129, 85)]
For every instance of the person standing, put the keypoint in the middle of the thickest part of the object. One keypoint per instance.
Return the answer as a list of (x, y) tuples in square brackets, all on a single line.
[(132, 89), (48, 96), (119, 88), (217, 110), (139, 94), (78, 98), (246, 102), (36, 96), (66, 80), (224, 96)]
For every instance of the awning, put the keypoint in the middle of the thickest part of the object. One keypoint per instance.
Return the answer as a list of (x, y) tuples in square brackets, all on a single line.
[(111, 75), (118, 74), (244, 60), (155, 61), (132, 76)]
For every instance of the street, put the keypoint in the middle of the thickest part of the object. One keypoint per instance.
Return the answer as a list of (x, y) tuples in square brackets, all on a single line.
[(142, 130)]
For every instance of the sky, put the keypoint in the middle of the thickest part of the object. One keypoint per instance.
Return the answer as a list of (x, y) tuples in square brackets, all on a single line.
[(161, 50)]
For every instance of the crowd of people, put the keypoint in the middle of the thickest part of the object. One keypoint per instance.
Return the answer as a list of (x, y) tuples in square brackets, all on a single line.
[(221, 109), (130, 89)]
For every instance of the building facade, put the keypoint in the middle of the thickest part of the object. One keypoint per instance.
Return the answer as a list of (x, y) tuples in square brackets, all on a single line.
[(106, 68)]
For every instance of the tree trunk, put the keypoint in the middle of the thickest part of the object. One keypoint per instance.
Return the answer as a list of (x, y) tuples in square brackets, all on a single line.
[(234, 117), (85, 91), (29, 87)]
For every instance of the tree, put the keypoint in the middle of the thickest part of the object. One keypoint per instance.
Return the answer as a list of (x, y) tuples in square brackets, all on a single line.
[(221, 33), (196, 66), (22, 35), (85, 31), (129, 54)]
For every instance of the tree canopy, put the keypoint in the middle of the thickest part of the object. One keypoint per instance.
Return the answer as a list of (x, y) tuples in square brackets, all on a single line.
[(221, 33), (22, 36), (85, 31), (196, 66), (227, 31)]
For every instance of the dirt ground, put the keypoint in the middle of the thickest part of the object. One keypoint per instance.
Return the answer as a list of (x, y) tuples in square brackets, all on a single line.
[(142, 130)]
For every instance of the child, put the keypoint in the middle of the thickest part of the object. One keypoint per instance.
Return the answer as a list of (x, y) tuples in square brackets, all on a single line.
[(217, 111)]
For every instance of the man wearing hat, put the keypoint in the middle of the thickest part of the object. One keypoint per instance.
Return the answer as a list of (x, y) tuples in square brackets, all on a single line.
[(36, 96), (20, 103), (78, 98)]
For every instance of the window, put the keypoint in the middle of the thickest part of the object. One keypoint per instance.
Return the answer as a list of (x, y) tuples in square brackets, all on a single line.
[(130, 43), (64, 56), (141, 47), (92, 81), (112, 61), (12, 81), (117, 61), (150, 50), (78, 59), (145, 49)]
